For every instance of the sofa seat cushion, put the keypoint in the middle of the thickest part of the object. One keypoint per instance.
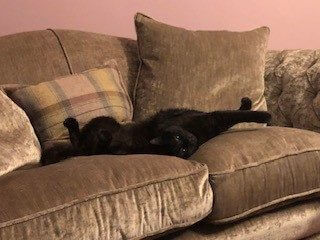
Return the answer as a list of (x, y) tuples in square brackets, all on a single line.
[(296, 221), (104, 197), (260, 169)]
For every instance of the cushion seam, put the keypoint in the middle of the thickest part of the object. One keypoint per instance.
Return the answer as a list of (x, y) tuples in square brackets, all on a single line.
[(139, 69), (96, 196), (256, 164), (263, 206), (63, 49), (177, 225)]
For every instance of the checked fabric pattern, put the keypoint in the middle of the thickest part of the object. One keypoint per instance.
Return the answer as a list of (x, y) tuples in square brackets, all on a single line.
[(93, 93)]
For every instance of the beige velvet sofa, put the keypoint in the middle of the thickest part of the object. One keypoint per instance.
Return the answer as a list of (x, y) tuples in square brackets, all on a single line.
[(292, 80)]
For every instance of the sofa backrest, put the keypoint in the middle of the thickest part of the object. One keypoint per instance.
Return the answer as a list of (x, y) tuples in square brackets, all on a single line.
[(292, 78), (38, 56)]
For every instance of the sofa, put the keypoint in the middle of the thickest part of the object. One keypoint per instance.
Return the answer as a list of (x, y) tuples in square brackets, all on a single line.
[(72, 199)]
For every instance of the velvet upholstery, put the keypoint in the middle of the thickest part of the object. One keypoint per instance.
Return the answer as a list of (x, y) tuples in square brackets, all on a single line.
[(48, 54), (104, 197), (291, 92), (292, 88), (291, 76), (85, 50), (273, 166), (31, 57), (19, 145), (293, 222), (211, 70)]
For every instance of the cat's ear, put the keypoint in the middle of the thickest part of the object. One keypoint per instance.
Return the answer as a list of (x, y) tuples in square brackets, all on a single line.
[(156, 141)]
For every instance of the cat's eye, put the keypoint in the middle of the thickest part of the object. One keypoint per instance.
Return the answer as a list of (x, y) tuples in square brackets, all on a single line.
[(178, 137), (183, 150)]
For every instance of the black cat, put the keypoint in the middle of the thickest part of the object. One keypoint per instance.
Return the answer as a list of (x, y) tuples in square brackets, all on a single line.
[(176, 132)]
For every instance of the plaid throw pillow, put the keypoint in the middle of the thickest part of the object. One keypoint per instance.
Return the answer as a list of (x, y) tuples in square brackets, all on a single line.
[(93, 93)]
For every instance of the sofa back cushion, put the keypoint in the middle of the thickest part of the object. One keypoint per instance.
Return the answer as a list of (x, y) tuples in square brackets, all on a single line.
[(203, 70), (38, 56)]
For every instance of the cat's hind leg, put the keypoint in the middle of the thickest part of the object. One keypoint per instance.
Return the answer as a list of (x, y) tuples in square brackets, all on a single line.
[(246, 104), (226, 119)]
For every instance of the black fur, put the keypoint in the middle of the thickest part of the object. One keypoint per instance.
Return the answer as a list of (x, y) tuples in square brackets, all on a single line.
[(246, 104), (94, 137), (181, 135), (176, 132)]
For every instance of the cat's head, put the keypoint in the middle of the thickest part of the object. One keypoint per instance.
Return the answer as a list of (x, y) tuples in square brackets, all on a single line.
[(177, 142)]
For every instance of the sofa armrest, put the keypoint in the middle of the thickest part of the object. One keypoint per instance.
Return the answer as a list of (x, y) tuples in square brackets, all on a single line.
[(292, 79)]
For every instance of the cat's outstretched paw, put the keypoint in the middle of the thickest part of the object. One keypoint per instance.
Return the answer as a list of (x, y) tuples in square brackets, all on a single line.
[(71, 123), (246, 104)]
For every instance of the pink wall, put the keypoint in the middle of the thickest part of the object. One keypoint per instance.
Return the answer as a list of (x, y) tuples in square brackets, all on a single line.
[(293, 23)]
